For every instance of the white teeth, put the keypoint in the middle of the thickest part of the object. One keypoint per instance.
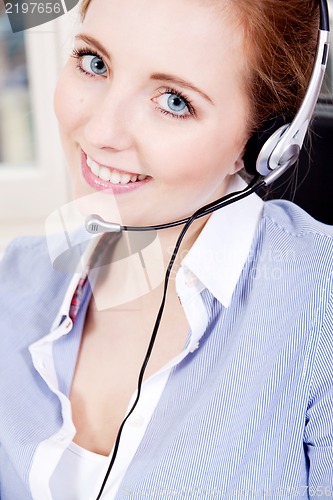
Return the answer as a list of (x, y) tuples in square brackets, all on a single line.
[(112, 176), (95, 169), (89, 162), (93, 166), (115, 177), (104, 174), (125, 178)]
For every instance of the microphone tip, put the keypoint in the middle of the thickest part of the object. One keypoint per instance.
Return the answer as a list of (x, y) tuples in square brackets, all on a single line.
[(95, 224)]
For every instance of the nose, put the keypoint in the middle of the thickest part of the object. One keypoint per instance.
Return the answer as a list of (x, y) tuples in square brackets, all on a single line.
[(110, 118)]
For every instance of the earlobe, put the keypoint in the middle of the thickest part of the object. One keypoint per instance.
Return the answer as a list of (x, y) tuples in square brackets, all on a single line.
[(238, 165)]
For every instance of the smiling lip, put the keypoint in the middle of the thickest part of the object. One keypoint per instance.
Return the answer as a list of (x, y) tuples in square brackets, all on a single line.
[(120, 181)]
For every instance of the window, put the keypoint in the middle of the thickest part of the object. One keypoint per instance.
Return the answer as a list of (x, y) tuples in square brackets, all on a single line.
[(33, 179), (17, 146)]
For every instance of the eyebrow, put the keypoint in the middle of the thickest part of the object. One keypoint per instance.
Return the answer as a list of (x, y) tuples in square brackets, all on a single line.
[(92, 41), (182, 83), (155, 76)]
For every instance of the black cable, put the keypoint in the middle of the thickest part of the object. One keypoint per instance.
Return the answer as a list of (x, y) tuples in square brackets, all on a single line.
[(148, 353), (207, 209)]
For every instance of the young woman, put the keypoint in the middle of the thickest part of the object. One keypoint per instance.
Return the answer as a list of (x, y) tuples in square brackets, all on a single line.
[(155, 107)]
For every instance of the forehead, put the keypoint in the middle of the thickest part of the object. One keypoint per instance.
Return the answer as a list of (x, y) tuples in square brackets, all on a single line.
[(193, 36), (204, 21)]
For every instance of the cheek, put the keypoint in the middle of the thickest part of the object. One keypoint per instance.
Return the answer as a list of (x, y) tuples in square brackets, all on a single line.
[(67, 104), (195, 156)]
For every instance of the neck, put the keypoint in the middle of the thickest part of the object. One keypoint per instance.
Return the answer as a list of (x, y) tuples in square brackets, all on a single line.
[(169, 237), (137, 265)]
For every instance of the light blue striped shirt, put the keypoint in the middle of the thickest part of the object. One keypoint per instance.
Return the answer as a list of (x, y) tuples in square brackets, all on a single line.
[(249, 414)]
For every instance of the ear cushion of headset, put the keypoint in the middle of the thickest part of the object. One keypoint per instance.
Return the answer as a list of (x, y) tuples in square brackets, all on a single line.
[(257, 141)]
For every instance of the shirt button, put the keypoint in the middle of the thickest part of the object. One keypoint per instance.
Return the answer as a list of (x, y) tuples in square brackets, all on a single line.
[(191, 280), (136, 420), (61, 438), (68, 326), (194, 346)]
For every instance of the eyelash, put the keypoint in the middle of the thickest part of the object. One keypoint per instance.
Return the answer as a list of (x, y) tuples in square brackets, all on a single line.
[(181, 96), (78, 54)]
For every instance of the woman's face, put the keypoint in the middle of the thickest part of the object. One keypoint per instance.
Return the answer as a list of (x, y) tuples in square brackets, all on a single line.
[(152, 108)]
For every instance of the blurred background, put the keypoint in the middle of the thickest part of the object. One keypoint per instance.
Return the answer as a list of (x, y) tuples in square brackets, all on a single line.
[(33, 180)]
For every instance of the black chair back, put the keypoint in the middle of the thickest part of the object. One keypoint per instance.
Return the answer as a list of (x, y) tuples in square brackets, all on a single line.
[(311, 185)]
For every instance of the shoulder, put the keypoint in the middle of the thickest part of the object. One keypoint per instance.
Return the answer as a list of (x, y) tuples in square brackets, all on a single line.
[(26, 265), (24, 251), (300, 250), (288, 224), (292, 219), (31, 289)]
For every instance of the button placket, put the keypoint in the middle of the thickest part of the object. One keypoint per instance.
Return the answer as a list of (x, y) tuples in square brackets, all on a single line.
[(190, 279), (136, 420)]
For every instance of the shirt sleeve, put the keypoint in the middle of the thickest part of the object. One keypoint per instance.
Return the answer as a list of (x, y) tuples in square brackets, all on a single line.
[(318, 435)]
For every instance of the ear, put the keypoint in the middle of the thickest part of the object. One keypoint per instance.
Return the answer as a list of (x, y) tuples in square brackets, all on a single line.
[(237, 166)]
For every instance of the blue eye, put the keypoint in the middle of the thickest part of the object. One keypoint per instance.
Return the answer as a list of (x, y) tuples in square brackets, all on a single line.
[(93, 64), (176, 103), (89, 62), (173, 103)]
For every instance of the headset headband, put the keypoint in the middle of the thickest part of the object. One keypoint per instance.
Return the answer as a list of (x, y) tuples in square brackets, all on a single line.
[(272, 156)]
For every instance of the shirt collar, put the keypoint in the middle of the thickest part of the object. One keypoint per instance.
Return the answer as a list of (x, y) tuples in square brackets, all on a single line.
[(222, 248)]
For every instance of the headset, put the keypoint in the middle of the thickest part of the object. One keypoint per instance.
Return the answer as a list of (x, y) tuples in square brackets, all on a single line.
[(269, 153)]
